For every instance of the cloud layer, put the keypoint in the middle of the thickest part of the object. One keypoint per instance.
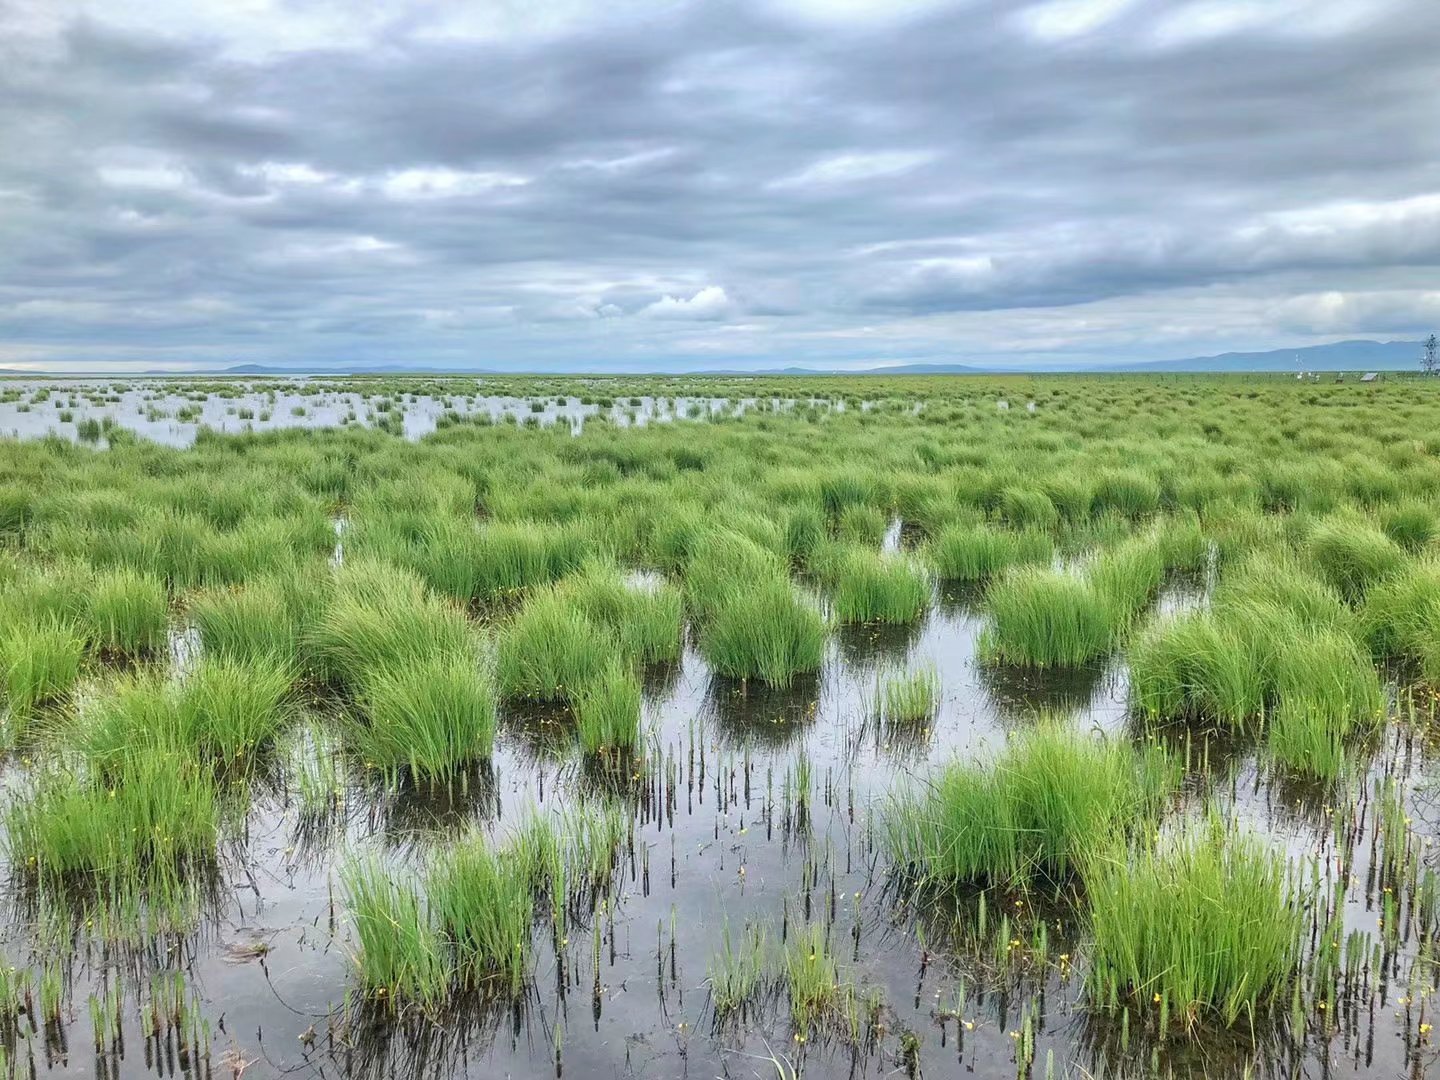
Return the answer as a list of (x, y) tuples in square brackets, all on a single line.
[(636, 186)]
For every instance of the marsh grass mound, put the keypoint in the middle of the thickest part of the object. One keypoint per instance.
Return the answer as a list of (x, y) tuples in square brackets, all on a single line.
[(1203, 928), (607, 715), (1043, 809), (551, 648), (463, 925), (765, 630), (977, 552), (138, 844), (867, 587), (429, 716), (646, 619), (1354, 555), (1048, 618), (909, 698), (128, 613), (1310, 691), (41, 664), (263, 618), (223, 713), (1401, 618), (381, 618)]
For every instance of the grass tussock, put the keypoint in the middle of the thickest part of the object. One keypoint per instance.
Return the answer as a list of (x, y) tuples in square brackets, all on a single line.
[(1049, 803), (464, 924), (429, 716), (1255, 666), (381, 618), (907, 698), (551, 648), (765, 630), (1242, 923), (144, 835), (128, 613), (868, 587), (607, 715), (223, 712), (41, 662), (1048, 618), (263, 618), (1353, 555), (978, 552)]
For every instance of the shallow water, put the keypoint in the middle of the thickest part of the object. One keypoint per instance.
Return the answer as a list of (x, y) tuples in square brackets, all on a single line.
[(716, 841), (156, 410)]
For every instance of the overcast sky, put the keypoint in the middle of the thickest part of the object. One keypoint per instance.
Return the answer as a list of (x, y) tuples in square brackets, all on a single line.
[(536, 185)]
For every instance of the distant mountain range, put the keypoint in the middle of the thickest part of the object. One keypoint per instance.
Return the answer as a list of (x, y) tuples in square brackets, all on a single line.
[(1336, 356)]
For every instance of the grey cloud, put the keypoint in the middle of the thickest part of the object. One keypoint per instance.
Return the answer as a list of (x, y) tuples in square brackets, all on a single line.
[(718, 164)]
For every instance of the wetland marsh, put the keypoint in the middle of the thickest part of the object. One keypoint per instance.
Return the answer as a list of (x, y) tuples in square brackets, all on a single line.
[(744, 727)]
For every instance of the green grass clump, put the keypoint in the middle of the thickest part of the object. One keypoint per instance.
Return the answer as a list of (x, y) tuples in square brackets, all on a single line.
[(1128, 575), (232, 709), (429, 715), (1327, 692), (1196, 667), (861, 524), (223, 711), (1048, 618), (262, 618), (1401, 618), (1206, 927), (128, 612), (738, 974), (483, 902), (646, 619), (551, 648), (910, 697), (1282, 581), (1127, 492), (1026, 508), (1353, 555), (868, 587), (722, 563), (1412, 525), (976, 552), (1256, 666), (400, 961), (42, 663), (812, 979), (607, 714), (1050, 802), (465, 926), (765, 630), (381, 618), (146, 833)]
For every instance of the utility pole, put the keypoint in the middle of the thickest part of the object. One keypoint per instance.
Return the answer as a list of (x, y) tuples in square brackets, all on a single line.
[(1430, 360)]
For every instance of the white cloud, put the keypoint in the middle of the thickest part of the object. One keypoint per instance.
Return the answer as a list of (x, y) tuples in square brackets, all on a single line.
[(1360, 312), (149, 177), (287, 172), (1201, 20), (710, 303), (855, 167), (439, 183), (1060, 19)]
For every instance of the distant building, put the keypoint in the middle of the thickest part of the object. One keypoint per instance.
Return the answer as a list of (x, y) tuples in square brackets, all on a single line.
[(1370, 376)]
